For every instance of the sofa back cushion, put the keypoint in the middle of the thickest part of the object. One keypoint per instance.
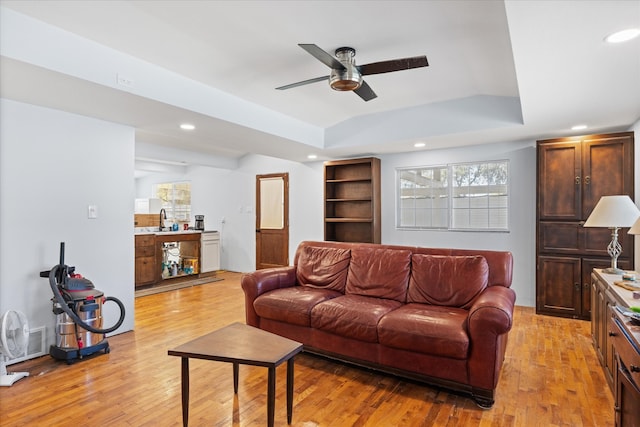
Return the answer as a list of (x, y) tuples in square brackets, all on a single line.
[(379, 272), (452, 281), (320, 267)]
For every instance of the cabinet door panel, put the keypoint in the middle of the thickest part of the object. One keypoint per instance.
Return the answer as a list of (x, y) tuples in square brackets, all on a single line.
[(627, 401), (559, 173), (558, 288), (588, 264), (598, 317), (145, 270), (210, 255), (559, 237), (607, 168)]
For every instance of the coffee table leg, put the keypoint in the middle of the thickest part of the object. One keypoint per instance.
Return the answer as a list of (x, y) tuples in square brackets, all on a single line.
[(289, 390), (235, 377), (185, 391), (271, 396)]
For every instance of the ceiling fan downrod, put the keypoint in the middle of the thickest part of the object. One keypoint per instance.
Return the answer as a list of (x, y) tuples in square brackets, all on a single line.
[(348, 78)]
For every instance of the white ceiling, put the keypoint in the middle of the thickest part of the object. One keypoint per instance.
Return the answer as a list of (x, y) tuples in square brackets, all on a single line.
[(499, 71)]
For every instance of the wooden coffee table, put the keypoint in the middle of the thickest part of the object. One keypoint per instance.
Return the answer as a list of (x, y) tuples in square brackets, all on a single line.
[(241, 344)]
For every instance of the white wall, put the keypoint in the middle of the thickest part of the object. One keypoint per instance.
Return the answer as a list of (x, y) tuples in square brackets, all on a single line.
[(520, 240), (52, 166), (306, 217), (230, 194)]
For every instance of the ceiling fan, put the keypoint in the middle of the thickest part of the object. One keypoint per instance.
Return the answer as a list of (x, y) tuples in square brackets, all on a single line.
[(347, 76)]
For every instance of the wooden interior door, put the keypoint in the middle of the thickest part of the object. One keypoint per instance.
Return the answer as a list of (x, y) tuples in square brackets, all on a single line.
[(272, 220)]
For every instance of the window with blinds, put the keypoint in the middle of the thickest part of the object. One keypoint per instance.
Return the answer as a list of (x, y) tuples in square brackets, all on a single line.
[(462, 196)]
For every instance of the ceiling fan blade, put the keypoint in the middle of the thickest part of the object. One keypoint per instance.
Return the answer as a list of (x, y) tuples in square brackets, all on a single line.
[(302, 83), (393, 65), (365, 92), (322, 56)]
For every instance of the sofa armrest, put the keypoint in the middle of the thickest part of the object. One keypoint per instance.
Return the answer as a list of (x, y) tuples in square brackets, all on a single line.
[(492, 312), (258, 282), (490, 319)]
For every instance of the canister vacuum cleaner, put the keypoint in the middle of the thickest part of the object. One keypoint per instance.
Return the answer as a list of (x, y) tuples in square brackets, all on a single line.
[(78, 309)]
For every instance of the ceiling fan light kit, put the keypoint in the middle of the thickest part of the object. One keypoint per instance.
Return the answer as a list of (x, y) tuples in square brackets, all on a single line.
[(349, 78), (346, 76)]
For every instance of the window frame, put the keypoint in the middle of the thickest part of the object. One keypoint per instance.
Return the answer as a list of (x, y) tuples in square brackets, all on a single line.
[(451, 200), (170, 206)]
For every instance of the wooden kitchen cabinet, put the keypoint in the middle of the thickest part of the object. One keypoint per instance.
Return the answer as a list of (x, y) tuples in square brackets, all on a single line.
[(572, 175), (352, 200), (617, 343), (603, 301), (625, 339), (146, 271)]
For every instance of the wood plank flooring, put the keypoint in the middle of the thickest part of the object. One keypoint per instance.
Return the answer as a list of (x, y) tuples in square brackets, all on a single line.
[(551, 377)]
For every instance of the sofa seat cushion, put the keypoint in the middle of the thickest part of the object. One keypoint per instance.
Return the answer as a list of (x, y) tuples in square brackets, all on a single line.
[(429, 329), (291, 305), (352, 316), (320, 267), (379, 272), (451, 281)]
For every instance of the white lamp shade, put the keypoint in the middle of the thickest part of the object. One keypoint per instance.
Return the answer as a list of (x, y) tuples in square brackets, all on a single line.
[(635, 228), (613, 211)]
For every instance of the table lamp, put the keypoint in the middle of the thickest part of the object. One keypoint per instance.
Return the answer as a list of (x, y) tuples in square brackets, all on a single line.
[(613, 212)]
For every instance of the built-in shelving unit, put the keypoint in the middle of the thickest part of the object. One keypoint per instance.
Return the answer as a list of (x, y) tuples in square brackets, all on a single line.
[(352, 200)]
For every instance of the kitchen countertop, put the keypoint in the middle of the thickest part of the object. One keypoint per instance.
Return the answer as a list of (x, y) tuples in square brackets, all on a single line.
[(150, 230), (624, 295), (141, 230)]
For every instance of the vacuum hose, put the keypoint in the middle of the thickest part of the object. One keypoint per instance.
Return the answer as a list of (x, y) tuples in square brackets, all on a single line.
[(63, 305)]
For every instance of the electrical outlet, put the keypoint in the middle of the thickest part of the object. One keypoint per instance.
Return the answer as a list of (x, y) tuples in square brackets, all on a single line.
[(223, 220)]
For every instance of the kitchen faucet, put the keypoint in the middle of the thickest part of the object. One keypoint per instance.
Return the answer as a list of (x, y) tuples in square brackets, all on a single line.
[(163, 216)]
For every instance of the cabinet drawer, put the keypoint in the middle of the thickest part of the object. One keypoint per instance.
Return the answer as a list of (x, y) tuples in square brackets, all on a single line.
[(207, 237), (629, 356), (145, 251), (145, 240)]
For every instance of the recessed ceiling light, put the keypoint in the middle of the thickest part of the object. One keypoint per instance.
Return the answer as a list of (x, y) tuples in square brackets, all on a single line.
[(187, 126), (579, 127), (312, 156), (623, 36), (419, 144)]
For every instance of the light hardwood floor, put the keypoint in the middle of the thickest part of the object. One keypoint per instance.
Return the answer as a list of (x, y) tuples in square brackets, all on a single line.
[(551, 377)]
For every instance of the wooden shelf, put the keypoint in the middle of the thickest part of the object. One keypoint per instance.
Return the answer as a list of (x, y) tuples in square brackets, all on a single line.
[(352, 200), (338, 181)]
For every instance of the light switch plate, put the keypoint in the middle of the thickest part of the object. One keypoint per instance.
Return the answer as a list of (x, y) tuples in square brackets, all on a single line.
[(92, 211)]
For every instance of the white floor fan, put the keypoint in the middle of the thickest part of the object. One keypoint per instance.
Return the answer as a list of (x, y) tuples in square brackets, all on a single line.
[(14, 339)]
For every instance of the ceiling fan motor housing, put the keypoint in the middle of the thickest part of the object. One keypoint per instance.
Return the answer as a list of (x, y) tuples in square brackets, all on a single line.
[(348, 78)]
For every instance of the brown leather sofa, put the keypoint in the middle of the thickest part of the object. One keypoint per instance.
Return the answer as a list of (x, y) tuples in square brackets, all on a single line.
[(440, 316)]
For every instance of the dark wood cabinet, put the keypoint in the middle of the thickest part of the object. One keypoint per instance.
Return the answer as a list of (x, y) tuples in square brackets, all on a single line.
[(146, 271), (572, 175), (617, 343), (627, 370), (352, 200)]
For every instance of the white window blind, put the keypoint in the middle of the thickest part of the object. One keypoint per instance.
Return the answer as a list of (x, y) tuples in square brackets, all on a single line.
[(463, 196)]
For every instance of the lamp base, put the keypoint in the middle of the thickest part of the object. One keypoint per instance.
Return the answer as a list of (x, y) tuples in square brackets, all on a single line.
[(612, 270)]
